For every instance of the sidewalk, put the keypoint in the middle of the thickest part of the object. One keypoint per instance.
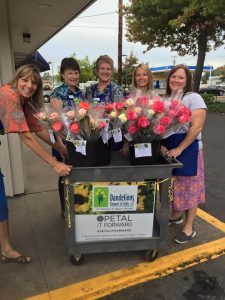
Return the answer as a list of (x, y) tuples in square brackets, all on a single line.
[(37, 229)]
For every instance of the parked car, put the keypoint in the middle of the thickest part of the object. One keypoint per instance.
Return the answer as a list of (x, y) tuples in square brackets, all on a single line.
[(47, 96), (213, 90)]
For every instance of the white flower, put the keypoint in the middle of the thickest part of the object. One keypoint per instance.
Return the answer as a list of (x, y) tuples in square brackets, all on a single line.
[(82, 113), (150, 113), (130, 102), (113, 114)]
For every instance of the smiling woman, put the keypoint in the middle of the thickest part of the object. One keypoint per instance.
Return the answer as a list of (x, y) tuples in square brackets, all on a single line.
[(18, 100)]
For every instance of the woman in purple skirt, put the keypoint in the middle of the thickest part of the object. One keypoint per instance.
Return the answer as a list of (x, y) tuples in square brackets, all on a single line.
[(186, 145)]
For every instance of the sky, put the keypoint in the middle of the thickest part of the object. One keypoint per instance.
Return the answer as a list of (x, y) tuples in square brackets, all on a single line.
[(95, 32)]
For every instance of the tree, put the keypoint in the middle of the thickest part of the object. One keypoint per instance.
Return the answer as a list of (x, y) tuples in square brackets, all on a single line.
[(128, 69), (220, 71), (187, 26), (86, 68)]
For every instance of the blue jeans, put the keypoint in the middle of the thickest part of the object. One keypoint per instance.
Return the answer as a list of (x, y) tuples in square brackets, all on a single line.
[(3, 201)]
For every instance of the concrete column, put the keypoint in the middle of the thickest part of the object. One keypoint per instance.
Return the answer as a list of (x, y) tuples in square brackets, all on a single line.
[(10, 150)]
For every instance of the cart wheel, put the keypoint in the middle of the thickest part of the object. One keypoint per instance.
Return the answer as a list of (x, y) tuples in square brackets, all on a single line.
[(151, 255), (77, 261)]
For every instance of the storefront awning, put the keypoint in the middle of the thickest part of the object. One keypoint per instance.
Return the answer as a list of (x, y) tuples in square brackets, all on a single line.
[(37, 60)]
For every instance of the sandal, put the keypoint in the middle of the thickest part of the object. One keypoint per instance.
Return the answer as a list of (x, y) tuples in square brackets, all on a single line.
[(19, 259)]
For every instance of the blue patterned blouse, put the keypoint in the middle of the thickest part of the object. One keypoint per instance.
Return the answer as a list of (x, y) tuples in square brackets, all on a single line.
[(111, 93), (64, 93)]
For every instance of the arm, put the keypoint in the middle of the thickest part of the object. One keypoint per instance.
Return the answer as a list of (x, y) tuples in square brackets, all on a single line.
[(37, 148), (197, 121), (56, 104)]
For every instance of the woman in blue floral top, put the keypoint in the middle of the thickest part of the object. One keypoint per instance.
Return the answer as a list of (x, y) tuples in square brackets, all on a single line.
[(63, 96), (105, 91)]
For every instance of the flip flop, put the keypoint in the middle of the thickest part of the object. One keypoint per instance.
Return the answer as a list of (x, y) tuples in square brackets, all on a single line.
[(19, 259)]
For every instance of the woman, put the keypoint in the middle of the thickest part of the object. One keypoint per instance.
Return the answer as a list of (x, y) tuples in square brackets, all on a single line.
[(105, 91), (188, 191), (142, 81), (18, 99), (63, 96)]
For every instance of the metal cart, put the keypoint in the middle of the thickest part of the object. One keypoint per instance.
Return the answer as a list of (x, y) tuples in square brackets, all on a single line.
[(120, 170)]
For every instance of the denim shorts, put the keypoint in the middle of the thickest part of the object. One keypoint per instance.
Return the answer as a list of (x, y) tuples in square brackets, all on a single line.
[(3, 201)]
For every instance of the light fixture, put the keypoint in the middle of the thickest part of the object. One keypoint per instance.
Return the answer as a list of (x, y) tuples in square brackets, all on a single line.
[(26, 38)]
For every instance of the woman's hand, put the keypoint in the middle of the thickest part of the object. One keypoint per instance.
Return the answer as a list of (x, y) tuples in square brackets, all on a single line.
[(173, 153), (61, 168)]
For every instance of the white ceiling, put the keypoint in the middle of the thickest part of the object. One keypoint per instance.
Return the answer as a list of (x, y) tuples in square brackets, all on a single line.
[(42, 19)]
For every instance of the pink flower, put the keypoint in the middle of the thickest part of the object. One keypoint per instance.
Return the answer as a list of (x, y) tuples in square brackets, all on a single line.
[(132, 129), (57, 126), (165, 121), (119, 105), (54, 116), (131, 115), (70, 114), (158, 106), (172, 113), (184, 119), (101, 124), (74, 128), (142, 101), (174, 103), (184, 110), (159, 129), (143, 122)]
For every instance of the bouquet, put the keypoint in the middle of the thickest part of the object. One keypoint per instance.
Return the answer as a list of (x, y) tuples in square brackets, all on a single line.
[(54, 123), (86, 122), (152, 119), (116, 114)]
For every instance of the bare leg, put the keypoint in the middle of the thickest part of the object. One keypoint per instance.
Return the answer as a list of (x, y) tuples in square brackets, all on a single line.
[(175, 214), (190, 215), (6, 246)]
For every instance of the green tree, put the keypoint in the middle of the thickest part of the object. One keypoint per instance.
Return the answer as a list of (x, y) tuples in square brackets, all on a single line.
[(128, 68), (220, 71), (187, 26)]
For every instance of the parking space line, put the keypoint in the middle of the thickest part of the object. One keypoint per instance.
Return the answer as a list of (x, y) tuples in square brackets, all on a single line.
[(100, 286), (211, 220)]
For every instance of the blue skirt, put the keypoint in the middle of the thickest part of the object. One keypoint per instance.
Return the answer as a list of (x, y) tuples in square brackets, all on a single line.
[(3, 201)]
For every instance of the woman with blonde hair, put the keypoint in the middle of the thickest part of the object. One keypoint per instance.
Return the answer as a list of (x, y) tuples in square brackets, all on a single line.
[(19, 100), (142, 81)]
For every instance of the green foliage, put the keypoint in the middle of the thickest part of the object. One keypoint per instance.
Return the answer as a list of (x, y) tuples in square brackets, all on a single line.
[(128, 68), (212, 104)]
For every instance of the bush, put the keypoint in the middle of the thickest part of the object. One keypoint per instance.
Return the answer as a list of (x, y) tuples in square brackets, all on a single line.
[(212, 104)]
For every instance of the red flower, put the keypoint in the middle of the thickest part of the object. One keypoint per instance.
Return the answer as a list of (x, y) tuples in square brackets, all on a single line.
[(74, 128), (132, 129), (172, 113), (142, 101), (108, 107), (158, 106), (84, 105), (101, 124), (57, 126), (165, 121), (143, 122), (159, 129), (131, 115)]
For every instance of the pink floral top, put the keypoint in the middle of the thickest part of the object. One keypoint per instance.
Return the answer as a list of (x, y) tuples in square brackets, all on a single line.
[(15, 116)]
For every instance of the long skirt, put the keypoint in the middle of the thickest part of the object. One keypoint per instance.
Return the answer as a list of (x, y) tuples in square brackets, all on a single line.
[(189, 191)]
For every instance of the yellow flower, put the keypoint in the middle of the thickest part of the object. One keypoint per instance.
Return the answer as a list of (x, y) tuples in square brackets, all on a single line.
[(83, 208), (81, 189), (122, 118)]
